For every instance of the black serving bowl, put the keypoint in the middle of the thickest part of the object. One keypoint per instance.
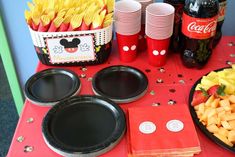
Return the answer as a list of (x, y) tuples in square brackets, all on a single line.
[(200, 125)]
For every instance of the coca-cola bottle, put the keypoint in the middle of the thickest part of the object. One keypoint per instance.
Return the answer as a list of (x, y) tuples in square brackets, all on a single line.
[(199, 22), (222, 11), (176, 36)]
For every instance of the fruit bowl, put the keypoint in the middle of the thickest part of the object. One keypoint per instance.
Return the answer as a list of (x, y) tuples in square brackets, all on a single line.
[(198, 121)]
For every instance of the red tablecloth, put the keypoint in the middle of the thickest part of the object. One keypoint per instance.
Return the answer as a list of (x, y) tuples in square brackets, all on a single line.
[(177, 82)]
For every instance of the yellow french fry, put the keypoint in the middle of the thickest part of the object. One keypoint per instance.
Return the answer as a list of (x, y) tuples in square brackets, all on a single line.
[(31, 6), (68, 3), (51, 14), (110, 5), (76, 21), (51, 4), (102, 15), (45, 20), (98, 19), (70, 12), (96, 22), (36, 19), (89, 15), (67, 19), (27, 15), (58, 21), (61, 13), (36, 2), (108, 17)]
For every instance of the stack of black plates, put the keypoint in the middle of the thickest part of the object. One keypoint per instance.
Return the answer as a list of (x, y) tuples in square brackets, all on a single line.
[(83, 126), (48, 87), (122, 84)]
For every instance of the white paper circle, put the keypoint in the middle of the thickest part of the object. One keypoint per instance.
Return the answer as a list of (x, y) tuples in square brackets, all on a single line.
[(133, 47), (125, 48), (147, 127), (163, 52), (175, 125), (155, 52)]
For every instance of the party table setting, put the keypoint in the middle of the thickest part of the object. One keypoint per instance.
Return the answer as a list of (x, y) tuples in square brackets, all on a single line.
[(132, 78)]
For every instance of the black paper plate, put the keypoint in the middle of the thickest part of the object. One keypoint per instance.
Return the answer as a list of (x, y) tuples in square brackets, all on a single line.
[(122, 84), (200, 125), (48, 87), (83, 126)]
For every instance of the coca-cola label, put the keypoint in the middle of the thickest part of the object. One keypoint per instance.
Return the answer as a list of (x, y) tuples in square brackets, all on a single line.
[(199, 28), (222, 11)]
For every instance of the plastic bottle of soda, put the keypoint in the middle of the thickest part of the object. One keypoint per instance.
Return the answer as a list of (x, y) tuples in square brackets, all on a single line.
[(176, 36), (222, 11), (199, 22)]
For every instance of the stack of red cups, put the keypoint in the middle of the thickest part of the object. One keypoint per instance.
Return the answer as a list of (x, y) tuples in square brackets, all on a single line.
[(142, 40), (127, 22), (159, 28)]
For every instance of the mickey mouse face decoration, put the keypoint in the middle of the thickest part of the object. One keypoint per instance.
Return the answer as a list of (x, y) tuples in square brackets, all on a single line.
[(132, 48), (70, 46), (156, 52)]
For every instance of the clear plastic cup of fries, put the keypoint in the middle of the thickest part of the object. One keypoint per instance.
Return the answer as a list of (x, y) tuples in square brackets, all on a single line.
[(71, 32)]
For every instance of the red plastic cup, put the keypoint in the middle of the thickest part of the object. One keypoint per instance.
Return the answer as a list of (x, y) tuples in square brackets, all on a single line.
[(127, 11), (144, 4), (157, 51), (158, 32), (127, 46), (142, 45), (127, 28), (160, 14), (127, 17)]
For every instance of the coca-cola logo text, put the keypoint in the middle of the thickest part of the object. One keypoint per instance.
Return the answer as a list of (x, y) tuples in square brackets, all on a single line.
[(194, 27)]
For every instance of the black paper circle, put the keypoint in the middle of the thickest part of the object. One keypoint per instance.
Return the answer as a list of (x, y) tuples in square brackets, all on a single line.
[(83, 126), (122, 84), (48, 87)]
